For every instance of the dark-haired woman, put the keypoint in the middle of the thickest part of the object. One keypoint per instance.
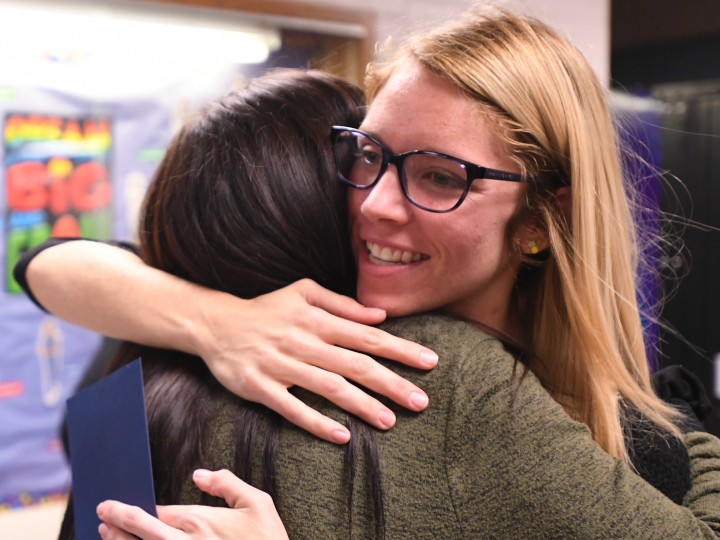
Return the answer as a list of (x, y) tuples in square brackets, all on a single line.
[(245, 201)]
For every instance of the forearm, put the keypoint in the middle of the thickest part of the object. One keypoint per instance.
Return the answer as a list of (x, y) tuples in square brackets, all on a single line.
[(257, 348), (111, 291)]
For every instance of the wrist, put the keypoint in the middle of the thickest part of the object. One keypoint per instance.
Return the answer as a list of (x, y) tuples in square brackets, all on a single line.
[(205, 318)]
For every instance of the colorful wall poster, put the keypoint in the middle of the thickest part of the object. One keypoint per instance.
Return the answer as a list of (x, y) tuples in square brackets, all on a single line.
[(57, 180), (70, 166)]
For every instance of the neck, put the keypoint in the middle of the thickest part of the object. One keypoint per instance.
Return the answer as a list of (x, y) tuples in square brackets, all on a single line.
[(505, 322)]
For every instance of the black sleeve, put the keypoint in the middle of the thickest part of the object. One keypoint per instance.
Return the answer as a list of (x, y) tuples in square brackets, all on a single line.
[(680, 387), (663, 460), (20, 270)]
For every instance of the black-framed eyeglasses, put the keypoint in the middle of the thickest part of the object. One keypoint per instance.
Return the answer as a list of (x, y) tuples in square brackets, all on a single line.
[(430, 180)]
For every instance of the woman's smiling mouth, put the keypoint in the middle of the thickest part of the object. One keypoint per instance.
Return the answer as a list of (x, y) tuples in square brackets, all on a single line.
[(386, 256)]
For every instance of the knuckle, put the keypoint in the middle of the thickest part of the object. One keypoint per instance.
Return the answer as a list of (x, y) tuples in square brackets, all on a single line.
[(191, 521), (305, 284), (252, 382), (311, 317), (333, 384), (273, 400), (373, 337), (264, 499), (317, 425), (223, 475), (295, 335), (361, 364), (131, 519), (300, 318)]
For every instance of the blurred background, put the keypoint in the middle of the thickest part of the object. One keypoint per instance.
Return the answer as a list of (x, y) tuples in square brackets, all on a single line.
[(91, 91)]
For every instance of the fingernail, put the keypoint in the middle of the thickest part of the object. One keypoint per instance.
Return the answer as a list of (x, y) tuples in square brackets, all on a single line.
[(428, 358), (340, 436), (386, 418), (419, 400), (100, 510), (199, 474)]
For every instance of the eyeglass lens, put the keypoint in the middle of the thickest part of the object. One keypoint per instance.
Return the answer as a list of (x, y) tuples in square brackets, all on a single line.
[(429, 181)]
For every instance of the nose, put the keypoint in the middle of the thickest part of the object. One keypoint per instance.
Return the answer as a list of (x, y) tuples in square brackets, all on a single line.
[(385, 200)]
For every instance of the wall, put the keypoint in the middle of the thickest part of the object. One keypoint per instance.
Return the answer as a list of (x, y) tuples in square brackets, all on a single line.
[(672, 22), (585, 22)]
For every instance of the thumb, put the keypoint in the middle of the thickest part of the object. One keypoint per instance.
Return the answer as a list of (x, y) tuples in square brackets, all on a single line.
[(224, 484)]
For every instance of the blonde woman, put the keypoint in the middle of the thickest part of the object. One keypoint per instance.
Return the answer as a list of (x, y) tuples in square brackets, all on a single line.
[(485, 184)]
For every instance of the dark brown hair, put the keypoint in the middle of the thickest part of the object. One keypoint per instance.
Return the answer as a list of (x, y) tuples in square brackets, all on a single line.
[(246, 201)]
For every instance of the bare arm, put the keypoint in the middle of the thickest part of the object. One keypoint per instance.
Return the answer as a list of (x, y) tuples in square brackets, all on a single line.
[(300, 335), (107, 289)]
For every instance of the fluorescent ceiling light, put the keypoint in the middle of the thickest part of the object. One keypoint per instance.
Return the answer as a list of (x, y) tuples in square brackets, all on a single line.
[(101, 46)]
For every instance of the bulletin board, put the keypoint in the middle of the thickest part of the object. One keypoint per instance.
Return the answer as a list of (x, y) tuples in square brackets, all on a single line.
[(75, 165), (69, 167)]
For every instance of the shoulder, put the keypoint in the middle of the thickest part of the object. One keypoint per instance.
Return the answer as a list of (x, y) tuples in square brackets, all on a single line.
[(442, 333), (480, 380), (468, 355)]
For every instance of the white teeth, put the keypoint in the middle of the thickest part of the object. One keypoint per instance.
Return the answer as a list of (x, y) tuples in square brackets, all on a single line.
[(386, 255)]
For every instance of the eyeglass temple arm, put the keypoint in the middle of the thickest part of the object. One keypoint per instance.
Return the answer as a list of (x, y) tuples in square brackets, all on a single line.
[(494, 174)]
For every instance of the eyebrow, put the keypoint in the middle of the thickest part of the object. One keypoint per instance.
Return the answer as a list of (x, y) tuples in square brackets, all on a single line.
[(414, 149)]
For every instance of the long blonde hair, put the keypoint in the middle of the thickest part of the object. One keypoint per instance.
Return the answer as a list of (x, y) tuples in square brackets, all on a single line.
[(581, 311)]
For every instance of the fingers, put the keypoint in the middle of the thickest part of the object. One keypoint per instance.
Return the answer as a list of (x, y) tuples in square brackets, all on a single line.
[(276, 397), (338, 304), (345, 395), (344, 324), (109, 532), (324, 371), (363, 370), (122, 519), (375, 341), (336, 389), (288, 338), (180, 517)]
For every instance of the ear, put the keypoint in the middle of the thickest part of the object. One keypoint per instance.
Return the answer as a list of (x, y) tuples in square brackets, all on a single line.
[(563, 195), (533, 239)]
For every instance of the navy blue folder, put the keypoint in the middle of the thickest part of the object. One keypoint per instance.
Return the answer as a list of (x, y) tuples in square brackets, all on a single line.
[(109, 447)]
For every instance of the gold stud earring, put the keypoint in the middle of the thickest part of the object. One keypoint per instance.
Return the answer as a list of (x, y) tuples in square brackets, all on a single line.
[(533, 247)]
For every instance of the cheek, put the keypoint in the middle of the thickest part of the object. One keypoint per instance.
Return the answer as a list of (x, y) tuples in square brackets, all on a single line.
[(489, 223), (478, 242), (355, 198)]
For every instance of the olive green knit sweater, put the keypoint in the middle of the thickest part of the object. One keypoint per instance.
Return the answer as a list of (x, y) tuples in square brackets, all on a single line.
[(481, 462)]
